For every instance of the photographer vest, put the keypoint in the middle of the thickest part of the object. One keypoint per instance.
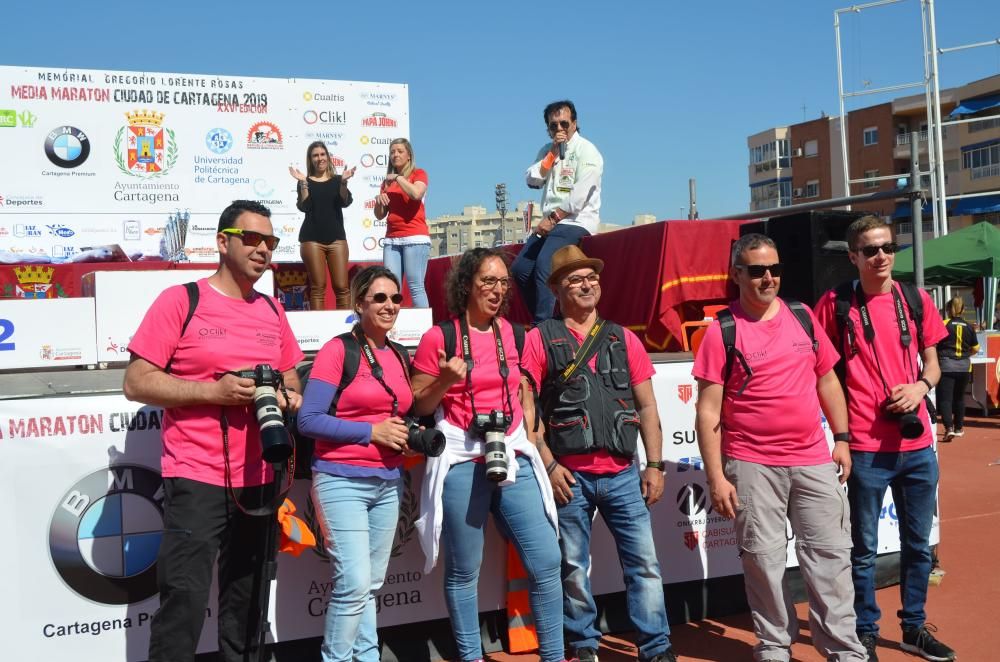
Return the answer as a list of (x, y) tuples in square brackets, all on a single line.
[(587, 410)]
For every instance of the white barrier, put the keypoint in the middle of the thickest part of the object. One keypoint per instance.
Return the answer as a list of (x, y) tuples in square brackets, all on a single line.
[(47, 333), (84, 473), (313, 328)]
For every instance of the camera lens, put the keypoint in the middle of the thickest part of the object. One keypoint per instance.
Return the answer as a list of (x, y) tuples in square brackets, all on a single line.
[(910, 426), (274, 442), (496, 456), (430, 441)]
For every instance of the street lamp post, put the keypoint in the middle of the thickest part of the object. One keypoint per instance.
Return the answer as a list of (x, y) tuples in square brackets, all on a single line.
[(501, 197)]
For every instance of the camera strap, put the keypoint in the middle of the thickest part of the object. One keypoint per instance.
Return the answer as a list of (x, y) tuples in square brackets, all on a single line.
[(585, 351), (376, 368), (272, 507), (868, 329), (501, 362)]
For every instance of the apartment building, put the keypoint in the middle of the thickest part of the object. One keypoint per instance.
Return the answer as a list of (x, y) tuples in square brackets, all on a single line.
[(804, 163)]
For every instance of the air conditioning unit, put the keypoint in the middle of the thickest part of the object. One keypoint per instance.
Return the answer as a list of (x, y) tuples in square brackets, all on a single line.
[(796, 193), (797, 152)]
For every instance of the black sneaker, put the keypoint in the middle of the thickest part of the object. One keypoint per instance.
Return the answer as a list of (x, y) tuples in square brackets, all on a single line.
[(921, 642), (666, 656), (870, 641), (586, 654)]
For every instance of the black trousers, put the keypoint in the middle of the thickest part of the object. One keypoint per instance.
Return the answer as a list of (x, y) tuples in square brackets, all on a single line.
[(201, 522), (951, 398)]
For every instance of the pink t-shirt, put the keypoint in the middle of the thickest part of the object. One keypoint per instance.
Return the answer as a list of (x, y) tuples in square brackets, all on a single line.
[(640, 369), (364, 400), (224, 334), (486, 381), (865, 392), (777, 419)]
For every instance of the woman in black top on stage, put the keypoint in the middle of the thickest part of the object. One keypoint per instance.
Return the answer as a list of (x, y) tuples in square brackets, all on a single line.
[(954, 357), (323, 243)]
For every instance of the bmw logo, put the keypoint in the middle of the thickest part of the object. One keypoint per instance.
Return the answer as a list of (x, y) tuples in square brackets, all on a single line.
[(67, 147), (105, 534), (219, 141)]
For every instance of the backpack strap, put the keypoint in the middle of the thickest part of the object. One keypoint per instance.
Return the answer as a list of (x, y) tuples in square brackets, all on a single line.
[(352, 359), (728, 325), (911, 295), (843, 300), (802, 315), (193, 296)]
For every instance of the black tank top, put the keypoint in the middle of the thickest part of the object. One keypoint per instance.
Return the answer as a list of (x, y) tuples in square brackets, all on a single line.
[(324, 222)]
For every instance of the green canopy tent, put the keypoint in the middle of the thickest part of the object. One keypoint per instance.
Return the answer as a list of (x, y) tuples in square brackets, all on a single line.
[(955, 259)]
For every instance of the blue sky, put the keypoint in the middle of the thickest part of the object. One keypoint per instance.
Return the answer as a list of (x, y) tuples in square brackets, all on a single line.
[(666, 90)]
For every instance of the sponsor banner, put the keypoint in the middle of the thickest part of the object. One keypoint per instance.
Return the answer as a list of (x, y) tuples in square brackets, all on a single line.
[(314, 328), (37, 333), (95, 148), (121, 299), (86, 549)]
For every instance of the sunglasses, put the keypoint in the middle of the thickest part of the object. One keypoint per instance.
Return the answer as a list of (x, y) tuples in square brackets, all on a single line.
[(252, 238), (555, 126), (872, 251), (382, 297), (757, 270)]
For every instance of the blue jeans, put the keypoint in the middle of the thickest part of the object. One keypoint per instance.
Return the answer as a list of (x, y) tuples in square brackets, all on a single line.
[(409, 261), (517, 509), (358, 517), (620, 502), (533, 265), (913, 477)]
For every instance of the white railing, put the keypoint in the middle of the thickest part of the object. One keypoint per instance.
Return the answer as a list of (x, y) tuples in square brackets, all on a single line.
[(982, 172), (904, 138)]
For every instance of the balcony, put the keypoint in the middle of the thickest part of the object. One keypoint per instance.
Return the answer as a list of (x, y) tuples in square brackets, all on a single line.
[(983, 172), (902, 147)]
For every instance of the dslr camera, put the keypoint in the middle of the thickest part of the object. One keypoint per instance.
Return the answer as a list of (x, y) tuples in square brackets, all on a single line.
[(276, 446), (910, 425), (492, 427), (429, 441)]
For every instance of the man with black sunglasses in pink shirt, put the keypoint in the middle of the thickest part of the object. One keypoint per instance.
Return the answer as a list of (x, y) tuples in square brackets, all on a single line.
[(891, 364)]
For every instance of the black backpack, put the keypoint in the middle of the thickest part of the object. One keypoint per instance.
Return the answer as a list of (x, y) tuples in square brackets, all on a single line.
[(728, 325)]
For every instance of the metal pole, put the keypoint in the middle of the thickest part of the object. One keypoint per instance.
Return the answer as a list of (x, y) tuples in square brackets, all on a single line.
[(843, 114), (938, 171), (916, 211), (831, 203), (693, 198)]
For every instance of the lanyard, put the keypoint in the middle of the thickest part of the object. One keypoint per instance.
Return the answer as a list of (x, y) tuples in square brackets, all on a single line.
[(376, 368), (501, 362), (869, 330), (583, 354)]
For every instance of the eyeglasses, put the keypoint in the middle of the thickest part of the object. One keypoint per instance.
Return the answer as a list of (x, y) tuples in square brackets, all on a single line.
[(757, 270), (562, 124), (253, 238), (490, 282), (577, 281), (382, 297), (872, 251)]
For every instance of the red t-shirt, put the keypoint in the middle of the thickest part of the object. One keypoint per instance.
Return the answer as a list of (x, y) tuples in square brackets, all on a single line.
[(406, 216), (640, 368), (865, 392), (224, 334), (487, 386), (364, 400), (777, 419)]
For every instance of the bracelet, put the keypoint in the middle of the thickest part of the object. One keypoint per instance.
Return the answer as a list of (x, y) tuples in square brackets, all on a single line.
[(549, 159), (656, 464), (929, 385), (842, 436), (549, 468)]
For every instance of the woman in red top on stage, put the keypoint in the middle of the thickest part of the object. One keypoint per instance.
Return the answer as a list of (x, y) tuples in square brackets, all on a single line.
[(407, 239), (323, 194)]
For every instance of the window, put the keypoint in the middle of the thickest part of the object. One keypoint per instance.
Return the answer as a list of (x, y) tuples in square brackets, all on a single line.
[(785, 188), (983, 125), (869, 174), (983, 162), (871, 136), (812, 189), (812, 147)]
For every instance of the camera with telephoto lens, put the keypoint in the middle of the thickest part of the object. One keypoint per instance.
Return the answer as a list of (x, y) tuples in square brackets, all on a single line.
[(492, 427), (910, 425), (429, 441), (276, 446)]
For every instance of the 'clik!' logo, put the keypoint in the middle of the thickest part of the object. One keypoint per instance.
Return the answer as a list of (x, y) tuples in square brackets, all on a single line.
[(105, 534)]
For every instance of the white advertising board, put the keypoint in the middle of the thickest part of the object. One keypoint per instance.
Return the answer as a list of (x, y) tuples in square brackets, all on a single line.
[(121, 299), (314, 328), (47, 333), (93, 158)]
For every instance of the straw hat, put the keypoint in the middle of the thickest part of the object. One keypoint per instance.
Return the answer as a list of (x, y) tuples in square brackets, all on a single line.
[(570, 258)]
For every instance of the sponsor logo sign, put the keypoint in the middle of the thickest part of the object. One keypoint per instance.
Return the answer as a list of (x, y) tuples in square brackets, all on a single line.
[(692, 499), (328, 117), (105, 531), (264, 135), (60, 231), (374, 160), (379, 121), (321, 96), (684, 392), (8, 119), (144, 147), (67, 146), (218, 140)]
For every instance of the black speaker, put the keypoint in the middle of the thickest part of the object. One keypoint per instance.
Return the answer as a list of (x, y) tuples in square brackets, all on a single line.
[(813, 247)]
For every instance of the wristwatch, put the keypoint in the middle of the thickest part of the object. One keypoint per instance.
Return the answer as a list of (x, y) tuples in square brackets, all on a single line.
[(656, 465)]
